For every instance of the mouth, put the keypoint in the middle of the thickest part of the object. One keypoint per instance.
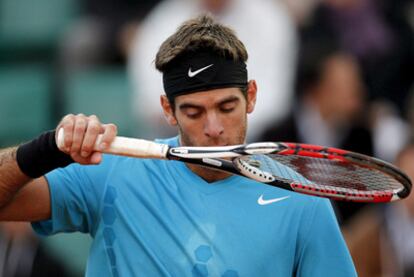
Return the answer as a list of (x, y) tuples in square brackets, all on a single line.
[(212, 143)]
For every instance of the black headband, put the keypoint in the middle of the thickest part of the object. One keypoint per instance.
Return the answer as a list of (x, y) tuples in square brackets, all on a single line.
[(199, 71)]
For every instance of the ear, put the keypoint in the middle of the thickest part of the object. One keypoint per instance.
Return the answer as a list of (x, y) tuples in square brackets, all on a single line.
[(168, 110), (251, 95)]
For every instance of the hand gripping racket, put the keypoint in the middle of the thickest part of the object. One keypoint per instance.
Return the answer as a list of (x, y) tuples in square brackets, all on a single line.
[(315, 170)]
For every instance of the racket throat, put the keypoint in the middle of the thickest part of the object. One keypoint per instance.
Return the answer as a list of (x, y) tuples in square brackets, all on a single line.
[(251, 171)]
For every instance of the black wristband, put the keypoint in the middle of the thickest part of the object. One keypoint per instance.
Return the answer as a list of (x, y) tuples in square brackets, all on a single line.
[(41, 155)]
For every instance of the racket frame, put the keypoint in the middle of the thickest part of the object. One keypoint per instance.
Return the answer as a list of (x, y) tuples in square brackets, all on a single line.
[(217, 158)]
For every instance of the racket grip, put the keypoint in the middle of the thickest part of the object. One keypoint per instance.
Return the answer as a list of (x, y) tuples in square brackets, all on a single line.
[(124, 146)]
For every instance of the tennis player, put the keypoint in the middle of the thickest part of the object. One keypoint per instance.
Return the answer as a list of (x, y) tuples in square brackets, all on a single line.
[(165, 218)]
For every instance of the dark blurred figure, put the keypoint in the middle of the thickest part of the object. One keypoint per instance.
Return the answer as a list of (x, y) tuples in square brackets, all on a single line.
[(330, 100), (378, 34), (22, 254), (103, 33), (380, 238)]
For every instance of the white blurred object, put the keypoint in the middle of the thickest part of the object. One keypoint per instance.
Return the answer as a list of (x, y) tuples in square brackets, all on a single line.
[(390, 131), (265, 28)]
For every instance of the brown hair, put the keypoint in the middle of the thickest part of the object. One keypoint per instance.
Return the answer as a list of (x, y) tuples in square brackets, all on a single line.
[(202, 32)]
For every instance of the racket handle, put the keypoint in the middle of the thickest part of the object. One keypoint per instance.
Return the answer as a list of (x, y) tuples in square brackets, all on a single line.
[(124, 146)]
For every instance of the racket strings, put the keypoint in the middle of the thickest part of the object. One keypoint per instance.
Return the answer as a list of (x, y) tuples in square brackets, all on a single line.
[(325, 174)]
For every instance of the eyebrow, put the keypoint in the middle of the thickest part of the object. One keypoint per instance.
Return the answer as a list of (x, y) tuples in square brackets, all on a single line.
[(229, 99), (189, 105)]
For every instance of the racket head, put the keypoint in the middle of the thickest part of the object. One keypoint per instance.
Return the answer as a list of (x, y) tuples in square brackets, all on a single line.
[(327, 172)]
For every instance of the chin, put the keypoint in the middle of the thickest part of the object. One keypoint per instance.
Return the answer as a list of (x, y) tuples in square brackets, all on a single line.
[(186, 141)]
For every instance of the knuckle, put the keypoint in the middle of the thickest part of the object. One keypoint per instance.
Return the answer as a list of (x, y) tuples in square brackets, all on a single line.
[(81, 122), (93, 117), (112, 127), (94, 127)]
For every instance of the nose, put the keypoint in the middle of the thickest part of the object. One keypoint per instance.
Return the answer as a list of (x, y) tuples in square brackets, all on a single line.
[(213, 127)]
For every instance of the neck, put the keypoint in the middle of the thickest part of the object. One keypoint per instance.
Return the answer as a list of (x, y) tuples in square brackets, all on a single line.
[(208, 174)]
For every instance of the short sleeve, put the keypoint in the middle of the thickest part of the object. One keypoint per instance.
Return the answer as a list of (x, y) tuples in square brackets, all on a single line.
[(323, 251), (75, 194)]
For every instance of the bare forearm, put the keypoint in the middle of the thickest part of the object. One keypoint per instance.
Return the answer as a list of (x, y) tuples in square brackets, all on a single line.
[(12, 179), (22, 198)]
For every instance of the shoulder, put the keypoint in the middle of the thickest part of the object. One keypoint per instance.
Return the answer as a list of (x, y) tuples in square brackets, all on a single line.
[(312, 211), (312, 204)]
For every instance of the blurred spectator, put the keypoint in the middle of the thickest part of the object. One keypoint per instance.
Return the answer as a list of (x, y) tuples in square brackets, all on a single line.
[(409, 108), (380, 239), (264, 26), (378, 33), (104, 32), (329, 107), (22, 254)]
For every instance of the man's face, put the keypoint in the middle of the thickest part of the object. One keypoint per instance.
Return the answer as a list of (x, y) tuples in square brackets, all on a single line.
[(212, 118)]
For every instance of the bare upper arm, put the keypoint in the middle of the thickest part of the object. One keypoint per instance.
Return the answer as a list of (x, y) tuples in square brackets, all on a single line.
[(31, 203)]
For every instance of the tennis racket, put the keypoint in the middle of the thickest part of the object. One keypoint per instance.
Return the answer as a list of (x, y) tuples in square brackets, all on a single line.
[(315, 170)]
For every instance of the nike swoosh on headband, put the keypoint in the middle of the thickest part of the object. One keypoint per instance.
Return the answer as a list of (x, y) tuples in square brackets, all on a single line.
[(262, 201), (191, 74)]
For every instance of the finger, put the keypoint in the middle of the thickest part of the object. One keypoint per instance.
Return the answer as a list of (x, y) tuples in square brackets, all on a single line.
[(95, 158), (110, 132), (94, 128), (79, 130), (67, 123)]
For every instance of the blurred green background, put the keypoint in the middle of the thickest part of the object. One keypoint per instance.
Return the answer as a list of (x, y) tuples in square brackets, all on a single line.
[(32, 98)]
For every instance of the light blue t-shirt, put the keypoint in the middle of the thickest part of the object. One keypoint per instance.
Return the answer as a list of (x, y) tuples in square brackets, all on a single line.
[(158, 218)]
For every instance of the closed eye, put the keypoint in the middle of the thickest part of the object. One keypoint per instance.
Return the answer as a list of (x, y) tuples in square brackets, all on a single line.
[(191, 112), (229, 105)]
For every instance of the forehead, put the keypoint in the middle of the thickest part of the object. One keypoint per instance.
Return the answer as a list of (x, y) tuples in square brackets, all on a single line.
[(214, 96)]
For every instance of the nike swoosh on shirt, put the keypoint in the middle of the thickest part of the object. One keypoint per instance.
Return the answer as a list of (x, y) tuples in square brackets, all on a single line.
[(262, 201), (191, 74)]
